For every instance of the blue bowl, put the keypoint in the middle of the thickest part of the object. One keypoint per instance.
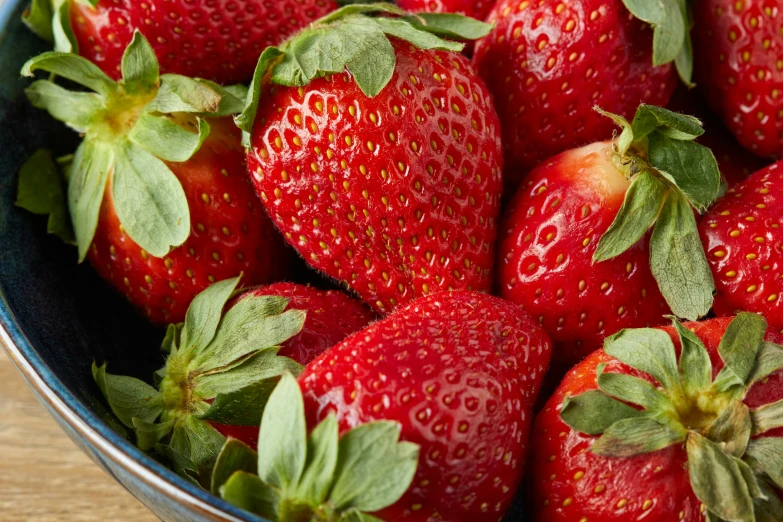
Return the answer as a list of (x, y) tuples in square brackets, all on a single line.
[(57, 317)]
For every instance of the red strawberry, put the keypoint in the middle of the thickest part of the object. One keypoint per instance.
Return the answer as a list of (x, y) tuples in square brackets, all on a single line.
[(474, 8), (548, 63), (738, 47), (331, 316), (574, 249), (161, 203), (215, 40), (674, 444), (459, 372), (386, 177), (741, 240)]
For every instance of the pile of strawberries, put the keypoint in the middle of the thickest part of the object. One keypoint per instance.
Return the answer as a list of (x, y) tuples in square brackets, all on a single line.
[(420, 160)]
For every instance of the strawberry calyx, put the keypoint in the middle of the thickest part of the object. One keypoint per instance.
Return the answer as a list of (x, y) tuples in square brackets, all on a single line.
[(732, 470), (356, 38), (671, 175), (51, 21), (321, 477), (671, 21), (221, 367), (131, 128)]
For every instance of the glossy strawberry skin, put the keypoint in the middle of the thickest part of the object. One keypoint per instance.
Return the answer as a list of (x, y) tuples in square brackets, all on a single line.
[(549, 234), (737, 48), (218, 40), (331, 317), (398, 195), (549, 63), (742, 241), (230, 235), (459, 371), (478, 9), (571, 483)]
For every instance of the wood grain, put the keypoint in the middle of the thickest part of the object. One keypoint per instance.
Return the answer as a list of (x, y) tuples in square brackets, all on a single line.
[(43, 475)]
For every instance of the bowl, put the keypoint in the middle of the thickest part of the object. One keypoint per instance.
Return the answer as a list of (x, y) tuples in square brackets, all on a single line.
[(57, 317)]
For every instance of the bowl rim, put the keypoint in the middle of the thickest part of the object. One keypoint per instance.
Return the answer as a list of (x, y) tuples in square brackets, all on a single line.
[(88, 426)]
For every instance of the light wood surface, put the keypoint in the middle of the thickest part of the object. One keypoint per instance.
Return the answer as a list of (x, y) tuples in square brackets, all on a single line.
[(43, 475)]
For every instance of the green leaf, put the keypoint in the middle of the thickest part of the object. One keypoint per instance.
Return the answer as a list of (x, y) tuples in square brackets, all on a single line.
[(242, 407), (89, 173), (170, 342), (204, 314), (71, 67), (199, 443), (282, 440), (732, 429), (38, 17), (643, 202), (649, 350), (76, 109), (767, 417), (684, 61), (140, 66), (259, 366), (634, 390), (630, 437), (649, 118), (163, 138), (769, 360), (626, 138), (362, 8), (235, 456), (769, 509), (182, 94), (149, 201), (717, 480), (128, 398), (247, 117), (232, 98), (354, 515), (695, 364), (321, 462), (64, 39), (373, 469), (149, 434), (678, 262), (451, 25), (412, 34), (250, 325), (691, 166), (669, 26), (249, 492), (593, 412), (41, 192), (766, 456), (738, 348)]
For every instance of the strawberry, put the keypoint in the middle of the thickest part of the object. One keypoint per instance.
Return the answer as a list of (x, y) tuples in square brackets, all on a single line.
[(218, 41), (222, 365), (385, 176), (631, 434), (478, 9), (738, 45), (740, 237), (549, 62), (161, 203), (575, 251), (459, 372)]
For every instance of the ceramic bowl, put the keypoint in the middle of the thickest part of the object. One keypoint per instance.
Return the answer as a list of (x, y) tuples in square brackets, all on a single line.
[(57, 317)]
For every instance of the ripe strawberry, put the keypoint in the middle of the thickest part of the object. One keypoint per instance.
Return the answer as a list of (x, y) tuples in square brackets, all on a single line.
[(478, 9), (548, 63), (737, 45), (219, 41), (331, 316), (161, 203), (459, 372), (676, 443), (386, 176), (574, 249), (740, 237), (220, 369)]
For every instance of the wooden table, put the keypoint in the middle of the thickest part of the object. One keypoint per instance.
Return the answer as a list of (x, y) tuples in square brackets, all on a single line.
[(43, 475)]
